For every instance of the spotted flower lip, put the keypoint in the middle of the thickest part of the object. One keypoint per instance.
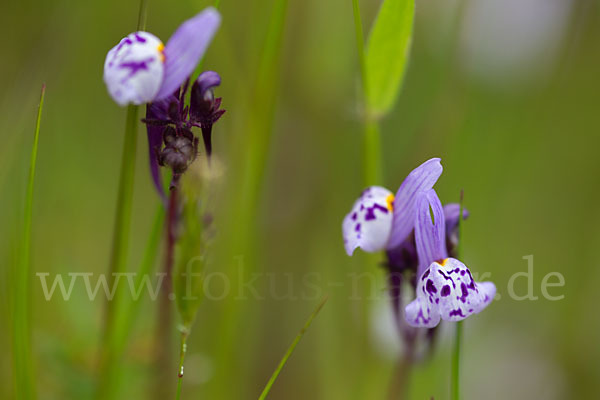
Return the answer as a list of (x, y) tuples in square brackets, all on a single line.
[(445, 289), (379, 220), (140, 69)]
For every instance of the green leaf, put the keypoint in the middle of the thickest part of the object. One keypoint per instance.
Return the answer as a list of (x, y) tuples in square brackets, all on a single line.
[(387, 54), (22, 343)]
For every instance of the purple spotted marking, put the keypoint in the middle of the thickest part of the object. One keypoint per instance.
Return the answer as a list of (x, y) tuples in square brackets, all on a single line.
[(457, 312), (449, 302), (445, 291), (135, 67), (430, 287), (370, 214)]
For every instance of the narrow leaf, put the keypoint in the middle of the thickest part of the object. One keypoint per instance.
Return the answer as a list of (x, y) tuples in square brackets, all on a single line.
[(290, 350), (387, 54), (22, 352)]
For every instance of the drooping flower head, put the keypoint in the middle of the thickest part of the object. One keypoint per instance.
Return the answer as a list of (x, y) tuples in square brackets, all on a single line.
[(140, 69), (445, 287), (379, 220)]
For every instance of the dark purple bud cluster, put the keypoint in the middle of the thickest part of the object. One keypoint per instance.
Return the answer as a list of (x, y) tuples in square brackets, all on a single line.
[(170, 122), (179, 150)]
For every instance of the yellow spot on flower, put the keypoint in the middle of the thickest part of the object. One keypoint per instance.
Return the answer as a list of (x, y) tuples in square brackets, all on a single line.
[(442, 262), (390, 202), (161, 48)]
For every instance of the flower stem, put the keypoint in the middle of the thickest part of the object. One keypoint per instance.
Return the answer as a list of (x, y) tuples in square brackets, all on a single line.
[(163, 334), (182, 351), (458, 334), (372, 153), (22, 354), (372, 136), (456, 362)]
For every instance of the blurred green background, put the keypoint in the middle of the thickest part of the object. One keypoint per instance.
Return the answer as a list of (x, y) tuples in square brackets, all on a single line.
[(505, 92)]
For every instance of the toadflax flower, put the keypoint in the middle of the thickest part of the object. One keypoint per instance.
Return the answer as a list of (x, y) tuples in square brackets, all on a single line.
[(379, 220), (445, 287), (140, 69)]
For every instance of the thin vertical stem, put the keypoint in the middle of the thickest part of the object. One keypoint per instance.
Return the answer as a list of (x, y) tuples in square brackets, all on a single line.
[(371, 147), (456, 362), (163, 336), (372, 136), (458, 334), (23, 362), (141, 25), (182, 352), (372, 153), (360, 45), (109, 356)]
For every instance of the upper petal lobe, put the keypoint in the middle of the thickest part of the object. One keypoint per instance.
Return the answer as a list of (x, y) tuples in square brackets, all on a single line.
[(420, 179), (186, 47)]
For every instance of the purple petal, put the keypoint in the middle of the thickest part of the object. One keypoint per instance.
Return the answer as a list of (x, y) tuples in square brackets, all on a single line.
[(430, 236), (156, 110), (202, 100), (420, 179), (207, 80), (369, 223), (186, 47), (447, 291)]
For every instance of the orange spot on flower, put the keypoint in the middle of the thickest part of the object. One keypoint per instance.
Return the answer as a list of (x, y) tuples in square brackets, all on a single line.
[(390, 202), (161, 48)]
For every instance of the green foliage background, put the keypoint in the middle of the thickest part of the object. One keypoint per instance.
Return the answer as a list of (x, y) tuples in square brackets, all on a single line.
[(525, 154)]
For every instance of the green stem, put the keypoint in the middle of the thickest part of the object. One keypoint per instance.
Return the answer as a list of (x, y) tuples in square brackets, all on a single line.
[(372, 153), (360, 45), (118, 262), (372, 136), (458, 334), (125, 318), (290, 349), (23, 362), (456, 362), (182, 351), (141, 25)]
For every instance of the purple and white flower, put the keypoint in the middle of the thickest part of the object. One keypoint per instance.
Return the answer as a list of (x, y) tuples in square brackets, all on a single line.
[(379, 220), (140, 69), (445, 287)]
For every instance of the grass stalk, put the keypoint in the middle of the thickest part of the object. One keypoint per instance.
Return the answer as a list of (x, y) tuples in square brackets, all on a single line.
[(118, 261), (459, 325), (182, 352), (22, 342), (290, 349), (371, 137)]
